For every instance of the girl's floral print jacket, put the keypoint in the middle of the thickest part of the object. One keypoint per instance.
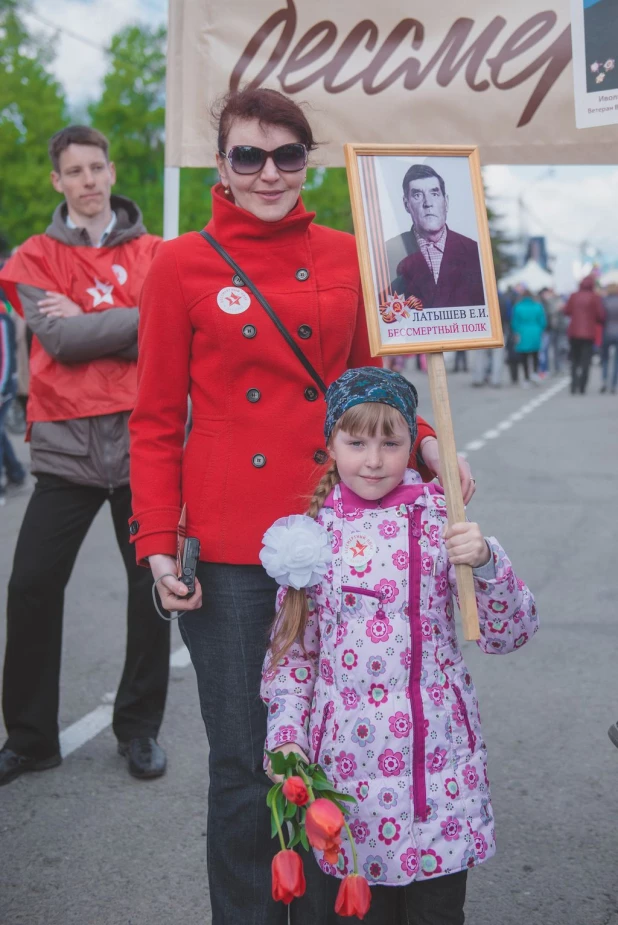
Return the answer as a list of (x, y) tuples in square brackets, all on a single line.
[(381, 697)]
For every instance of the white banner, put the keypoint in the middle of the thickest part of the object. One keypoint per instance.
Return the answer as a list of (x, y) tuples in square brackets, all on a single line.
[(496, 75)]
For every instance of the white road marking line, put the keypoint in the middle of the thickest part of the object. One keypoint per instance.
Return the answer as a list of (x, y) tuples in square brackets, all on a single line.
[(90, 725), (84, 729), (180, 658), (518, 415)]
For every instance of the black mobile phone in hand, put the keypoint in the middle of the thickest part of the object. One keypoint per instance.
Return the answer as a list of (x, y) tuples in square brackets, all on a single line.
[(190, 558)]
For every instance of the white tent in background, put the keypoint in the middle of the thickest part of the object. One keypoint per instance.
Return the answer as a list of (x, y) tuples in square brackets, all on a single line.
[(531, 275), (610, 278)]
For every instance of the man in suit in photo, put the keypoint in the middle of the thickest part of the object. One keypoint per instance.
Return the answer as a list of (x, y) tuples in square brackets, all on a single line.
[(601, 41), (431, 262)]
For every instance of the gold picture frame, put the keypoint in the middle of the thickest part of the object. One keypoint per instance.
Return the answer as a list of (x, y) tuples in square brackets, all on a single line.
[(439, 263)]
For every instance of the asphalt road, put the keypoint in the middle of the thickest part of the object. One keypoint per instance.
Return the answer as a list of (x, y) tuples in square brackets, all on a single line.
[(85, 844)]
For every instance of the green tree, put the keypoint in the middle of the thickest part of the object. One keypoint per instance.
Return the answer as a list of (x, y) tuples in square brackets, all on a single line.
[(32, 108), (131, 111), (504, 260)]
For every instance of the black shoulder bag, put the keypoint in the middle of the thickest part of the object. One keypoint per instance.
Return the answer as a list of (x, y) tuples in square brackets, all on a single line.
[(267, 308)]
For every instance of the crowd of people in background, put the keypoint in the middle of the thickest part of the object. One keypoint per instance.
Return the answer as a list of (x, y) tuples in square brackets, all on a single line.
[(544, 334)]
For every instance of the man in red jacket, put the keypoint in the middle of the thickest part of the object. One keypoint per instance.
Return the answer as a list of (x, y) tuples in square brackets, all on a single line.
[(78, 286), (585, 309)]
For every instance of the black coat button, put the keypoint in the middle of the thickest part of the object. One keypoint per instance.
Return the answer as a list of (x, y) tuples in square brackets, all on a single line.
[(238, 280), (320, 456), (133, 527), (311, 394), (254, 395), (259, 460), (305, 331), (302, 275), (249, 330)]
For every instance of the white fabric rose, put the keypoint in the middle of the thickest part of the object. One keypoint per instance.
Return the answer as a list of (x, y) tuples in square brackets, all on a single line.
[(296, 551)]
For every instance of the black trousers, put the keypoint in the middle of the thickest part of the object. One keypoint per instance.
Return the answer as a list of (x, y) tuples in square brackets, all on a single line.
[(581, 357), (521, 359), (55, 524), (437, 901)]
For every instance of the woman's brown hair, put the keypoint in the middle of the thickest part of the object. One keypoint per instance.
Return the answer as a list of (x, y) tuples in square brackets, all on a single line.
[(291, 620), (269, 107)]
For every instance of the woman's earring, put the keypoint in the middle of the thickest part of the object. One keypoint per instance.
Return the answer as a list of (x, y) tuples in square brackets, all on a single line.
[(226, 190)]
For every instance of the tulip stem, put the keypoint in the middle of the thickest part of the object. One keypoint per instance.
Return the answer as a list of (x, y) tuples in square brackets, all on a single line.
[(352, 846), (307, 781), (278, 824)]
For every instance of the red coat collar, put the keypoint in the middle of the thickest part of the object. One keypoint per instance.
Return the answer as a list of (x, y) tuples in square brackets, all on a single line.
[(233, 226)]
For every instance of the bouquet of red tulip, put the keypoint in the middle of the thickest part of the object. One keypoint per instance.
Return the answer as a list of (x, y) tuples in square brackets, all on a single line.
[(313, 821)]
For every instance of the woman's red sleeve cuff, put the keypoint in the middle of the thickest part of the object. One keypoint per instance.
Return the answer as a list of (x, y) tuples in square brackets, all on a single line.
[(423, 430), (154, 532)]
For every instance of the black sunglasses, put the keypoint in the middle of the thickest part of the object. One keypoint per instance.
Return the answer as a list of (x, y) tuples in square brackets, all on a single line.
[(249, 159)]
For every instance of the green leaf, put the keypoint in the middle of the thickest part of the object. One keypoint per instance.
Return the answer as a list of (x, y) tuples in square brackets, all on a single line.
[(279, 804), (277, 762), (290, 809), (346, 797), (295, 840), (303, 839), (324, 786), (272, 793)]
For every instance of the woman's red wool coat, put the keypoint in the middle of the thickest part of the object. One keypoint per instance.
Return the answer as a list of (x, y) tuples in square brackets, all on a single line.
[(253, 453)]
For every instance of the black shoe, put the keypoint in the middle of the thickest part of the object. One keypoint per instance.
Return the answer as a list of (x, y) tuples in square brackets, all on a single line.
[(12, 764), (146, 757), (613, 733)]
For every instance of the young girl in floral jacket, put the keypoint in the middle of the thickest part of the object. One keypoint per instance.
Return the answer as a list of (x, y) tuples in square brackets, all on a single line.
[(364, 673)]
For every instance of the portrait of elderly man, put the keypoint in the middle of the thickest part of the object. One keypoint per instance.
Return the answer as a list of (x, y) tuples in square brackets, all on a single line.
[(431, 262)]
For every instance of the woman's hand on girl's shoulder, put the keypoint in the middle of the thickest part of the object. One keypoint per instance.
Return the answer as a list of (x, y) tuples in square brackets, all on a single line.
[(172, 592), (466, 545), (431, 458)]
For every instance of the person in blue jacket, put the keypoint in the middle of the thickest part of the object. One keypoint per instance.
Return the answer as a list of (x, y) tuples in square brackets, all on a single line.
[(15, 472), (528, 321)]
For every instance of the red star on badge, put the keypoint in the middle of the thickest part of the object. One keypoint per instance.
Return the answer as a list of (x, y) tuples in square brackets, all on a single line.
[(233, 299), (359, 549)]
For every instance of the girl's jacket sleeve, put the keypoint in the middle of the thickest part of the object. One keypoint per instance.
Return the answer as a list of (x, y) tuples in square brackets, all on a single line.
[(287, 689), (506, 607)]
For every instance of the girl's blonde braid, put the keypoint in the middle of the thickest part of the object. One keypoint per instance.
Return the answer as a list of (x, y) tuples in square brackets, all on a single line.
[(291, 619)]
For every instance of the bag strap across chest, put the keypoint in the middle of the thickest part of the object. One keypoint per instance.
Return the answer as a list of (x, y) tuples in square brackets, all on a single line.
[(268, 309)]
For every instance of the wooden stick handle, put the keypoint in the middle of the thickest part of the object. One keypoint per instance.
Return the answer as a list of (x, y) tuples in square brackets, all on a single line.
[(452, 486)]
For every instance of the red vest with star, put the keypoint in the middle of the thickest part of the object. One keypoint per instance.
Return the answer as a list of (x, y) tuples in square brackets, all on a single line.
[(96, 278)]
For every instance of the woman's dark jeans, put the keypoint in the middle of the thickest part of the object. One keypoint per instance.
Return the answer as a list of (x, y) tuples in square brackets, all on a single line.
[(227, 639), (436, 901)]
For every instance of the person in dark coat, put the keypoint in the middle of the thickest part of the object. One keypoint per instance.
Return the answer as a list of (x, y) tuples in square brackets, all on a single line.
[(431, 261), (601, 43), (586, 311)]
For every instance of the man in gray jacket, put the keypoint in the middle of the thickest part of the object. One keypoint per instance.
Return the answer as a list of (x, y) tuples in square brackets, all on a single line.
[(78, 287)]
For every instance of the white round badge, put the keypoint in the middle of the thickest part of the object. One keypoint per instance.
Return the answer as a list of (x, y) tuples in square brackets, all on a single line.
[(358, 550), (233, 301)]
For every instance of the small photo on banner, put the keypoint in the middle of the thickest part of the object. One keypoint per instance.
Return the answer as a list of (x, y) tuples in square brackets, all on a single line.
[(594, 35)]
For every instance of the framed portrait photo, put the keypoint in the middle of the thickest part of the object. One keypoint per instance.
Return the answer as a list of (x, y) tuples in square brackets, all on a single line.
[(424, 248)]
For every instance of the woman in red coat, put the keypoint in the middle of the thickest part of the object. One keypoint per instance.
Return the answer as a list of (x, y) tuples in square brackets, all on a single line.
[(254, 449)]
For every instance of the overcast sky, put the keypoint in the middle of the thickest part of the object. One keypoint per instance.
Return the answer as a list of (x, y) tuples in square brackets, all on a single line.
[(572, 206)]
